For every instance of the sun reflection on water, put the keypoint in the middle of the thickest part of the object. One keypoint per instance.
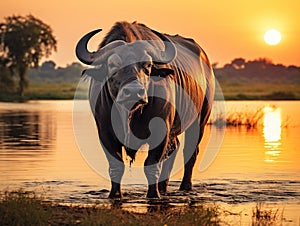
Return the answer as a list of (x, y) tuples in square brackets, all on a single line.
[(272, 133)]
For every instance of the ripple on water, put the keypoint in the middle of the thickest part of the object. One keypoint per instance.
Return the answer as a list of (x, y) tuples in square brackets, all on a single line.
[(230, 191)]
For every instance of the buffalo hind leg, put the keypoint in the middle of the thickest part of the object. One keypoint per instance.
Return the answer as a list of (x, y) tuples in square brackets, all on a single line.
[(167, 166), (193, 137)]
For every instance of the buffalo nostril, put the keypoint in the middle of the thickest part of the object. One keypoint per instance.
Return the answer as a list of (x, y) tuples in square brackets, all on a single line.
[(126, 92), (141, 93)]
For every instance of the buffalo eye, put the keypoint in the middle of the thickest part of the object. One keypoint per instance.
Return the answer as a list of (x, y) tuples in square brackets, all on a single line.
[(147, 67)]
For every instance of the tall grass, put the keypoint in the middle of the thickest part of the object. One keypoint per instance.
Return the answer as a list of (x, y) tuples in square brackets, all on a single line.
[(249, 119), (22, 208), (262, 215), (25, 208)]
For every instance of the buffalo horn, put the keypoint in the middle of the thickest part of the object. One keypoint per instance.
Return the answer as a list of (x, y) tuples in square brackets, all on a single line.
[(89, 58)]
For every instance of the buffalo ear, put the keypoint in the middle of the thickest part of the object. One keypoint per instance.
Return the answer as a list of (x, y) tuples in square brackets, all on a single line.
[(96, 73), (161, 72)]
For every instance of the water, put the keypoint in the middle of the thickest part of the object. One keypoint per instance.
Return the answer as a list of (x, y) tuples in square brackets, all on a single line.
[(39, 152)]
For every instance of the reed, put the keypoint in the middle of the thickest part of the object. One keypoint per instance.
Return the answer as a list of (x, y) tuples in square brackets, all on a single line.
[(249, 119), (262, 215)]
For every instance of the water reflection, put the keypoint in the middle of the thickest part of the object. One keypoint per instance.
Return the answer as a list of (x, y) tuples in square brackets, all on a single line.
[(24, 130), (239, 173), (272, 133)]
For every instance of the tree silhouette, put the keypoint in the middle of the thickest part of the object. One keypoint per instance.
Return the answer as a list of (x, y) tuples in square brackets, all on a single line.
[(23, 42), (6, 80), (238, 63), (260, 70), (48, 66)]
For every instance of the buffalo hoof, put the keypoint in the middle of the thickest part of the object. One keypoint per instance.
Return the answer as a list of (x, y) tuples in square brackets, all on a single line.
[(162, 187), (153, 192), (115, 195), (153, 196), (185, 186)]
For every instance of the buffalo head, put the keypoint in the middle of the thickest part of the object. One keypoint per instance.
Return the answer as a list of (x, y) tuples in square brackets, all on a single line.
[(127, 67)]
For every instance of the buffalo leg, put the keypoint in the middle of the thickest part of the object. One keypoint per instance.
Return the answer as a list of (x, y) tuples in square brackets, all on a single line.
[(168, 165), (152, 169), (113, 151), (116, 171), (193, 137)]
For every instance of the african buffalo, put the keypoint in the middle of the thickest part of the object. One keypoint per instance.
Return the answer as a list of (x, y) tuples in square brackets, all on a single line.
[(148, 87)]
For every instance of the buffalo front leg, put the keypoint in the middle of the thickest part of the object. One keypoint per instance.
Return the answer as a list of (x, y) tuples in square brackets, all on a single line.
[(116, 171), (167, 166), (152, 169)]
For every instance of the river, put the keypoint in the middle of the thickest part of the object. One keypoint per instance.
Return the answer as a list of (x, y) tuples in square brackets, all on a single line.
[(46, 147)]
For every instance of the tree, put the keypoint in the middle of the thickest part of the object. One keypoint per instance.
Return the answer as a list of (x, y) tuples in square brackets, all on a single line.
[(238, 63), (6, 80), (23, 42), (48, 66)]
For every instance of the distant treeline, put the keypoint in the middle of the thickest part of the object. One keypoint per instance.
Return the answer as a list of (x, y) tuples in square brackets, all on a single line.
[(48, 72), (240, 79), (258, 79), (238, 71), (261, 70)]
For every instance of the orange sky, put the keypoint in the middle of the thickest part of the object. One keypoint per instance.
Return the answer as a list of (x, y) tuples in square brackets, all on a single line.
[(225, 29)]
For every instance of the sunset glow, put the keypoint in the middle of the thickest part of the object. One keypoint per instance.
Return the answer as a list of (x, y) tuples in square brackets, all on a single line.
[(272, 37), (224, 29), (272, 124), (272, 133)]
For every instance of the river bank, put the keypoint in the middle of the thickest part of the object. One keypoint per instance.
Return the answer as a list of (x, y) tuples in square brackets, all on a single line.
[(26, 208), (228, 91)]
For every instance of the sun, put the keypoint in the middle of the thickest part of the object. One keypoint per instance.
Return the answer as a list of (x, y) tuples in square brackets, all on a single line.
[(272, 37)]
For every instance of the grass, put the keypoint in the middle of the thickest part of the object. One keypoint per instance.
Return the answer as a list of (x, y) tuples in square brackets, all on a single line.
[(260, 91), (46, 91), (25, 208), (231, 91), (22, 208), (262, 215), (42, 91), (249, 119)]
